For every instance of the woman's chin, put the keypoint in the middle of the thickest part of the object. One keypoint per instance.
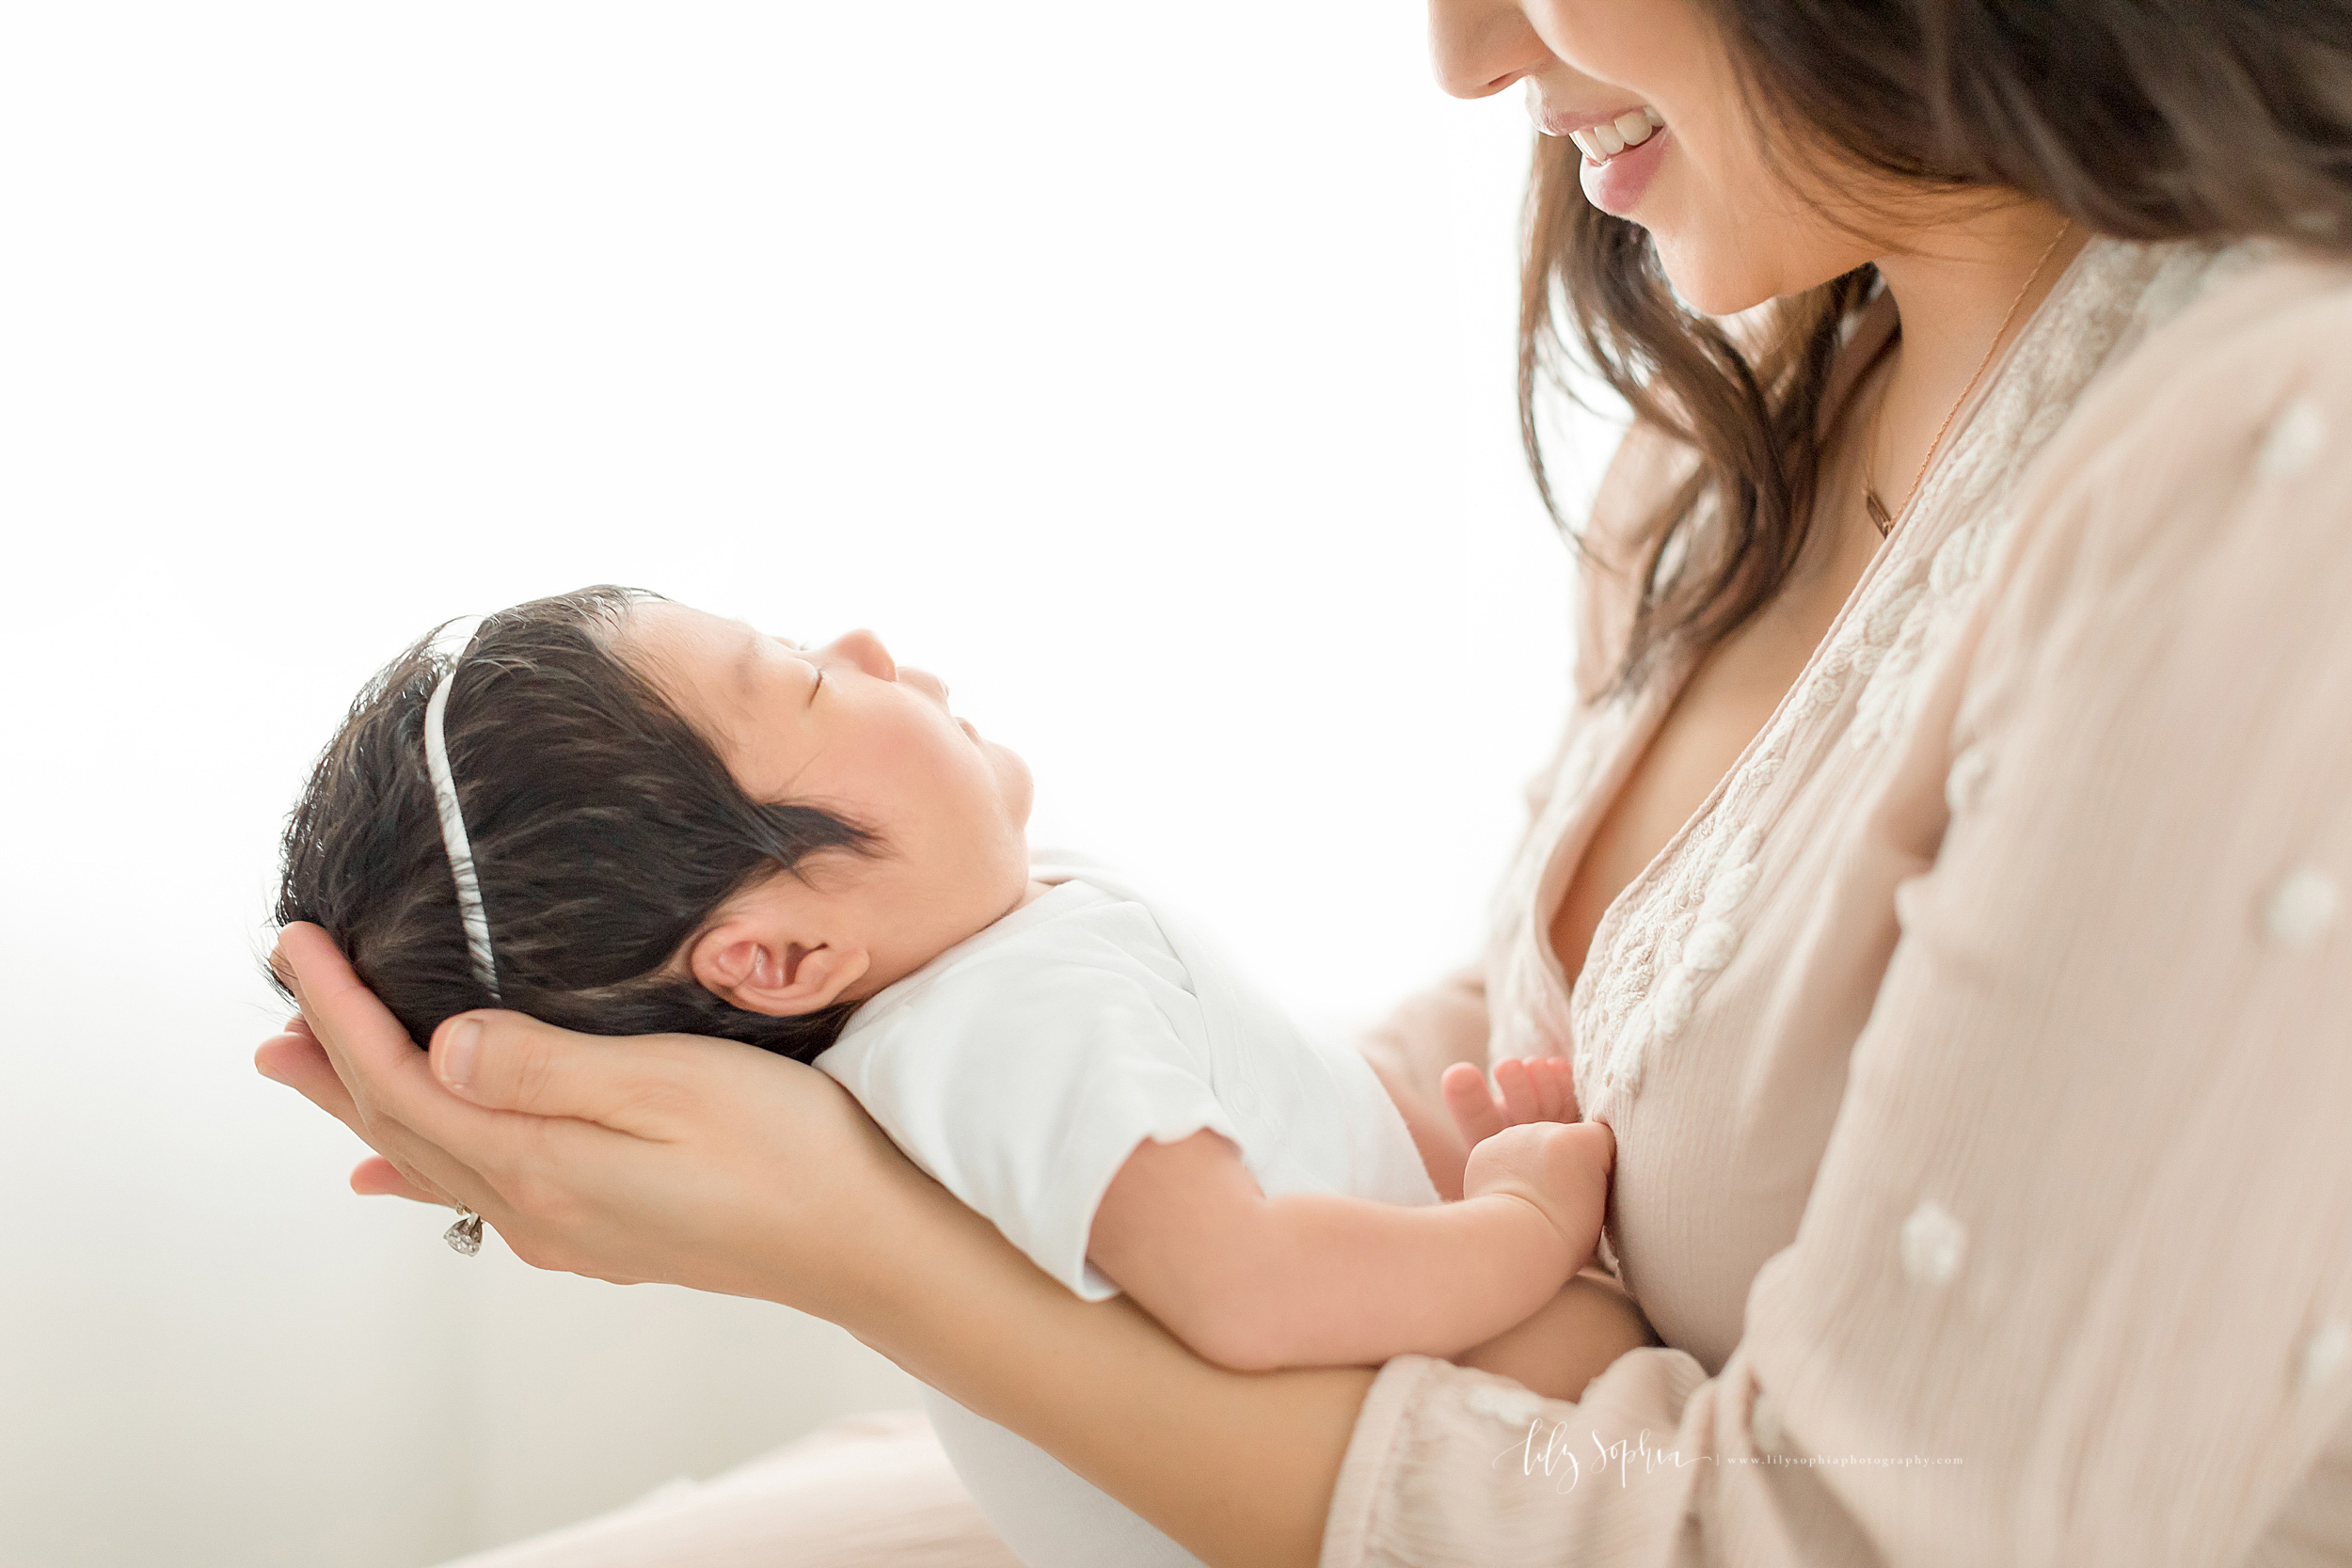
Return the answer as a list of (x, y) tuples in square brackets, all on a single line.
[(1703, 285)]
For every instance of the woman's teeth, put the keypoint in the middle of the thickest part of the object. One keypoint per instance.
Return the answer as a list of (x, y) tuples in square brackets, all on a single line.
[(1604, 141)]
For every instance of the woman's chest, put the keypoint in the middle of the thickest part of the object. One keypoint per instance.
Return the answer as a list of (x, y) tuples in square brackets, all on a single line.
[(1684, 928), (1726, 972), (1710, 720)]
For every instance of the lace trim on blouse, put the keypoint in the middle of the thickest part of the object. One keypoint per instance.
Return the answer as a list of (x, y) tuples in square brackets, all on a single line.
[(1660, 943)]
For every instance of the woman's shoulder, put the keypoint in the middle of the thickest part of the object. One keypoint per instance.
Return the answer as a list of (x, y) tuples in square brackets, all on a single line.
[(2250, 384), (2284, 315), (2188, 533)]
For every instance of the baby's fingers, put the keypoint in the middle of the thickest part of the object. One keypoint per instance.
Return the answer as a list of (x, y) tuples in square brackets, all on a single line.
[(1555, 1089), (1536, 1088), (1473, 1108), (1518, 1087)]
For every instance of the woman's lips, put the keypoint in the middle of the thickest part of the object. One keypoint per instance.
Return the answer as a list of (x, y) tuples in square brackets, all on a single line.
[(1598, 133), (1615, 185), (1603, 139), (1621, 150)]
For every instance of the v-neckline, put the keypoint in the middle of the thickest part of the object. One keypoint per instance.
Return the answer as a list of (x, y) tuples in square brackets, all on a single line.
[(1866, 344)]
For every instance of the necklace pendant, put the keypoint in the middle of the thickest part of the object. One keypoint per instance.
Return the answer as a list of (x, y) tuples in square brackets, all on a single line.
[(1877, 509)]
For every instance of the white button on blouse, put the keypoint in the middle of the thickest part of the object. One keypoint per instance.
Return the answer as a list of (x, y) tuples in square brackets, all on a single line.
[(2323, 1355), (2293, 440), (1963, 786), (1933, 1244), (2300, 908)]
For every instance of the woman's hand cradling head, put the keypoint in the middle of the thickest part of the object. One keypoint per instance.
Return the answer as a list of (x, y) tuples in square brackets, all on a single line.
[(697, 1162)]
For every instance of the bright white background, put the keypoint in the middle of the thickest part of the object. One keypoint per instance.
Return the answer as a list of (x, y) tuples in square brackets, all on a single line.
[(1144, 370)]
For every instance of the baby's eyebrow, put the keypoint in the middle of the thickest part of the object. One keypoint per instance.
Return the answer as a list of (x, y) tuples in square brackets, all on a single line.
[(746, 656)]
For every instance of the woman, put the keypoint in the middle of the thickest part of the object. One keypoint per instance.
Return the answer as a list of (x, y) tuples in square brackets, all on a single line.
[(1939, 889)]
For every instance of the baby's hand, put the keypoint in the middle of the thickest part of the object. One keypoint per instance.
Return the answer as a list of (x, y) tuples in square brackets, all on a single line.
[(1535, 1088), (1562, 1167)]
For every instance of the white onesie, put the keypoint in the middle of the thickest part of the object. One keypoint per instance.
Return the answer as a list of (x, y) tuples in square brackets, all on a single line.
[(1022, 1068)]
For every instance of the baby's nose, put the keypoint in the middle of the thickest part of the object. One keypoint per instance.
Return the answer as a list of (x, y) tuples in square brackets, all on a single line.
[(865, 650)]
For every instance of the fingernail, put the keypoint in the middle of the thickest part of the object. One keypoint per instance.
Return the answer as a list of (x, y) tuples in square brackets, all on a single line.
[(458, 1051)]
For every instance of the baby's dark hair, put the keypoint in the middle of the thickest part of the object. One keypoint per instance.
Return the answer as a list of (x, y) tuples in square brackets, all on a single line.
[(606, 831)]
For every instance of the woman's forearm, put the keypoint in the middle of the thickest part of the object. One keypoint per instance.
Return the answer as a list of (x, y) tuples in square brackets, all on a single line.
[(1238, 1467), (1576, 1336), (718, 1166)]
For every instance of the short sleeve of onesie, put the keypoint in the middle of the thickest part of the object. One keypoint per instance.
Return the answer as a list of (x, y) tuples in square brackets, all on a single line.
[(1022, 1084)]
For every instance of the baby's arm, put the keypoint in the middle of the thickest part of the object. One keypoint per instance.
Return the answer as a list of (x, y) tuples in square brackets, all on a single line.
[(1253, 1282), (1575, 1335)]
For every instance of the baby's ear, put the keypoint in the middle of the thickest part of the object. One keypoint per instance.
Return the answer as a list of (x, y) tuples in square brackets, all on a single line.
[(765, 972)]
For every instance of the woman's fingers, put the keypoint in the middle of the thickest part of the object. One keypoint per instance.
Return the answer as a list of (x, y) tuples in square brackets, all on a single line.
[(1473, 1108), (376, 1177), (362, 1039), (704, 1163), (397, 1106), (513, 1062), (297, 1061)]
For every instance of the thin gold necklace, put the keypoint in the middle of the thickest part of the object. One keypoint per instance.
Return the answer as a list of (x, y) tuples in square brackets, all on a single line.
[(1884, 519)]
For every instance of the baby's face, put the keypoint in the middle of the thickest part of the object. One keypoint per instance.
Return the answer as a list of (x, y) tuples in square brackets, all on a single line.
[(844, 727)]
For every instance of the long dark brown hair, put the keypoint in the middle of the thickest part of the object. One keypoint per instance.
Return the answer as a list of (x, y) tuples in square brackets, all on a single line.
[(2148, 119)]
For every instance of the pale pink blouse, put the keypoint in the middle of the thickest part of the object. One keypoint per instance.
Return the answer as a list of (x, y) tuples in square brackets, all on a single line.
[(1980, 1054)]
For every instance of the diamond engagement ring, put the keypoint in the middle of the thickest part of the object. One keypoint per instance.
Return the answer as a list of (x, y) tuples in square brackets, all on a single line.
[(465, 1235)]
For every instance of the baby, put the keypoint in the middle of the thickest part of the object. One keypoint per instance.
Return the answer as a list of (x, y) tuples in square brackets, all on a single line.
[(627, 817)]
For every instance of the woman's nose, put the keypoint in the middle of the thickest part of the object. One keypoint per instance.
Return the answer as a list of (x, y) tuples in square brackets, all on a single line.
[(1480, 47), (865, 650)]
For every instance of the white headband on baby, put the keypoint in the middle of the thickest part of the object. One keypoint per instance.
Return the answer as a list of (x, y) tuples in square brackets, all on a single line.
[(465, 1236), (453, 642)]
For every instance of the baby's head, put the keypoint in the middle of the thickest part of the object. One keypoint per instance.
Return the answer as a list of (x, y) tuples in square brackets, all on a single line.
[(675, 823)]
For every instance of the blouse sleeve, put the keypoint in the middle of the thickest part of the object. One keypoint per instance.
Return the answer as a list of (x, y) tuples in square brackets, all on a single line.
[(2075, 1281)]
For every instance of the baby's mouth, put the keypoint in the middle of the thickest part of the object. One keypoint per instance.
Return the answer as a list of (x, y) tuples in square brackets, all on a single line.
[(1602, 142)]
